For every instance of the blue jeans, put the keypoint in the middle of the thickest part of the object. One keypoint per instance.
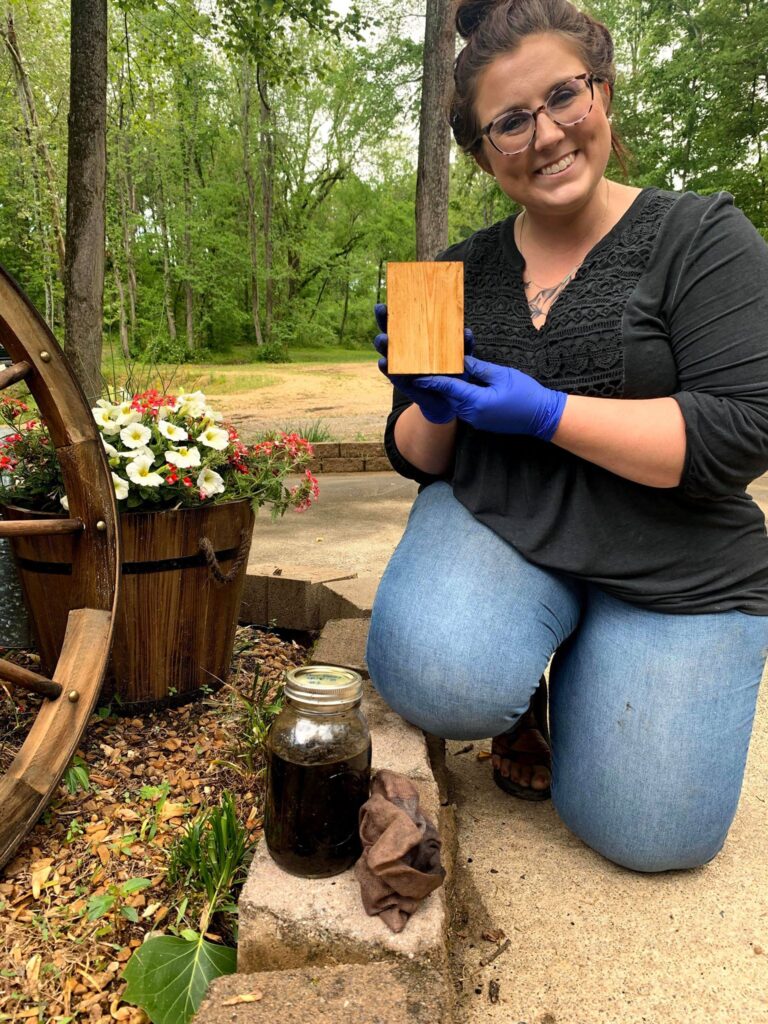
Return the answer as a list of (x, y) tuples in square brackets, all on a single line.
[(650, 713)]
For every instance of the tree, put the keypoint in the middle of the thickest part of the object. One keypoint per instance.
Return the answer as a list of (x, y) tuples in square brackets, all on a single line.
[(434, 134), (86, 193)]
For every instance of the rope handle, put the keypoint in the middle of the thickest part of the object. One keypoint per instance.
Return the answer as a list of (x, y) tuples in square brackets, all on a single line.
[(213, 563)]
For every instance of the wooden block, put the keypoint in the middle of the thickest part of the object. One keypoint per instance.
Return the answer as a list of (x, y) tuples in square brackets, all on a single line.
[(425, 321)]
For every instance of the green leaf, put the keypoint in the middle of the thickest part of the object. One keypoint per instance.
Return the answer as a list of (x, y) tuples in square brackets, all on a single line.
[(168, 977), (131, 913), (100, 905), (134, 885)]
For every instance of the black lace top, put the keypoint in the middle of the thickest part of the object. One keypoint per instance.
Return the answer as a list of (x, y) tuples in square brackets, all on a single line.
[(673, 301)]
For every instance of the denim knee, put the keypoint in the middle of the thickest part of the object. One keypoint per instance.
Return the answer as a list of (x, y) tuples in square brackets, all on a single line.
[(444, 685), (643, 847)]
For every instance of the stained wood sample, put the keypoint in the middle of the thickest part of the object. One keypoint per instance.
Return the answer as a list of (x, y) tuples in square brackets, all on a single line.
[(425, 322)]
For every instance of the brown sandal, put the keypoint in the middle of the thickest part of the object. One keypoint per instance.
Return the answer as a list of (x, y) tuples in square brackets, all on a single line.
[(535, 717)]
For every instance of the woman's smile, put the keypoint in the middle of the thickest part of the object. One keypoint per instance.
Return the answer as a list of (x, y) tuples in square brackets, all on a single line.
[(559, 166)]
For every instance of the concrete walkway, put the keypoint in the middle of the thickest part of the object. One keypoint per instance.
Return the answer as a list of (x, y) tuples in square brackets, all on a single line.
[(590, 943)]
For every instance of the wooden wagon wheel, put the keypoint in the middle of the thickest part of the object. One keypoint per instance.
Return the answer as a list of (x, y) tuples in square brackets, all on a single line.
[(71, 694)]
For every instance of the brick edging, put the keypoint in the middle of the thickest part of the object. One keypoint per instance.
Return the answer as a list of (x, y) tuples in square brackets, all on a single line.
[(349, 457)]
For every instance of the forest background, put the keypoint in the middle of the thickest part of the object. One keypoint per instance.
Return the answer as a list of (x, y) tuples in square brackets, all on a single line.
[(261, 168)]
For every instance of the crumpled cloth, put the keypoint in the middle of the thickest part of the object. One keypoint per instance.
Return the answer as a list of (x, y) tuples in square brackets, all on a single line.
[(400, 863)]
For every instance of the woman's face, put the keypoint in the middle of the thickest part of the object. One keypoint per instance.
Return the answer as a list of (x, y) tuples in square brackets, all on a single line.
[(524, 78)]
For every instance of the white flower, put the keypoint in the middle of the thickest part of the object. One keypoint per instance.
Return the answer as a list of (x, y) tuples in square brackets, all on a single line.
[(191, 403), (183, 457), (144, 451), (125, 414), (214, 437), (106, 419), (212, 415), (121, 487), (65, 502), (135, 435), (138, 471), (171, 431), (112, 452), (209, 483)]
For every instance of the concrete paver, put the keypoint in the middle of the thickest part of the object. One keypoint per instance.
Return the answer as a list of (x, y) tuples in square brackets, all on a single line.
[(355, 525), (382, 993)]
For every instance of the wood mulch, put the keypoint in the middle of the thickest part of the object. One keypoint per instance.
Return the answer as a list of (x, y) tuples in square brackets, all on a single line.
[(149, 776)]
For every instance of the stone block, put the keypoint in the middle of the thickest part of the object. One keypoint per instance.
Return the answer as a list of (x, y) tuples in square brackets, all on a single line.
[(343, 465), (289, 597), (378, 464), (361, 449), (342, 642), (380, 993), (350, 598), (253, 604), (288, 922), (326, 449)]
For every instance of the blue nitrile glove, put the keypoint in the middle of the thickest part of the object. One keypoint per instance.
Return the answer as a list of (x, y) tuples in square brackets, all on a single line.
[(433, 406), (506, 401)]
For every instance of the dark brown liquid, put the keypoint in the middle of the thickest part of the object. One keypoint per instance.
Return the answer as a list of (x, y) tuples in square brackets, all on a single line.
[(311, 815)]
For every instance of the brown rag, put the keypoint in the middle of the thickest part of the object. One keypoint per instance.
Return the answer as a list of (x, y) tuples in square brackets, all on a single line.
[(400, 863)]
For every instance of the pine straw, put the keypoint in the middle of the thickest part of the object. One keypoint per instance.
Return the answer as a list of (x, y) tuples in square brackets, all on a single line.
[(58, 967)]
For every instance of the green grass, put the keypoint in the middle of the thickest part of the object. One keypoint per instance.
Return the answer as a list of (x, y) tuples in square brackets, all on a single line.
[(334, 355), (216, 377)]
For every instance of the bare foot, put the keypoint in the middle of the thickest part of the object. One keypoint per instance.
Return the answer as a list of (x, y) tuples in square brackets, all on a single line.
[(532, 768)]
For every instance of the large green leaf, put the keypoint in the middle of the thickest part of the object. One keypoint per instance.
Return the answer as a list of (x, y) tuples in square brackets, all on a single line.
[(168, 977)]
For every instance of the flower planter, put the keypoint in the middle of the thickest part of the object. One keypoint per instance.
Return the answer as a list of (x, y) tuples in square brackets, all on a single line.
[(178, 605)]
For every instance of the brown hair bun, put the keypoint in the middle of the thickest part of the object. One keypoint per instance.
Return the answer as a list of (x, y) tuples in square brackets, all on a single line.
[(469, 14)]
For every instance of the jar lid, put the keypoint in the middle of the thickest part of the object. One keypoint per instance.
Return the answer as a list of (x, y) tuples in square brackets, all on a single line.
[(319, 687)]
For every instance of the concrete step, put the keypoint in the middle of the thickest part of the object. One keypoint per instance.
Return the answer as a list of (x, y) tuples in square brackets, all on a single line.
[(381, 993), (348, 598), (342, 642), (288, 596)]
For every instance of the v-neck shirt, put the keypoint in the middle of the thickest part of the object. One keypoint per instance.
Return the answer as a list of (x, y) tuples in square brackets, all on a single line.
[(672, 301)]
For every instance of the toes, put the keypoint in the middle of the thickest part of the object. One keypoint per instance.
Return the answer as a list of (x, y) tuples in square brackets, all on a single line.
[(533, 776)]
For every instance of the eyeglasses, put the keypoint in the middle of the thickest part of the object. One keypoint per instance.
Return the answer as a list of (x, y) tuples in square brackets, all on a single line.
[(568, 104)]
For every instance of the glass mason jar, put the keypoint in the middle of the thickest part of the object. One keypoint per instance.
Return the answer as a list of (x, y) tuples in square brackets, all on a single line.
[(318, 772)]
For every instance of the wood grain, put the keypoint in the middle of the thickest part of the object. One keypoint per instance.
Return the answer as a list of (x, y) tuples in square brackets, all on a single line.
[(174, 627), (425, 320), (86, 632), (41, 528)]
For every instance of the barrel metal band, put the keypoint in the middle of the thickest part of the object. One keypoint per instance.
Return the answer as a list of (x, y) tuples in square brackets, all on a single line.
[(131, 568)]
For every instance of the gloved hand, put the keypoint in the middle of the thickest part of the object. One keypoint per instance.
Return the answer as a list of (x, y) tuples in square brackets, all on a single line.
[(433, 406), (506, 401)]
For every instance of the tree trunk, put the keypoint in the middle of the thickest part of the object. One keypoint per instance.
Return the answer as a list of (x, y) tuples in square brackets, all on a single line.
[(35, 135), (267, 168), (124, 344), (434, 133), (166, 244), (253, 234), (189, 295), (86, 190)]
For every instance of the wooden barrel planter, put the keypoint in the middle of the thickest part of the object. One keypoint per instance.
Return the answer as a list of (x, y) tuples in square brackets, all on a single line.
[(182, 575)]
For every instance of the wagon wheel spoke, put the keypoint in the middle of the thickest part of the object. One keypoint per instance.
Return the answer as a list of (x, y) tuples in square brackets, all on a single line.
[(28, 680), (14, 373), (39, 527), (31, 772)]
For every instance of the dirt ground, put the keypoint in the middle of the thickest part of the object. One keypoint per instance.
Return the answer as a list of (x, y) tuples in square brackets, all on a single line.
[(350, 399)]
